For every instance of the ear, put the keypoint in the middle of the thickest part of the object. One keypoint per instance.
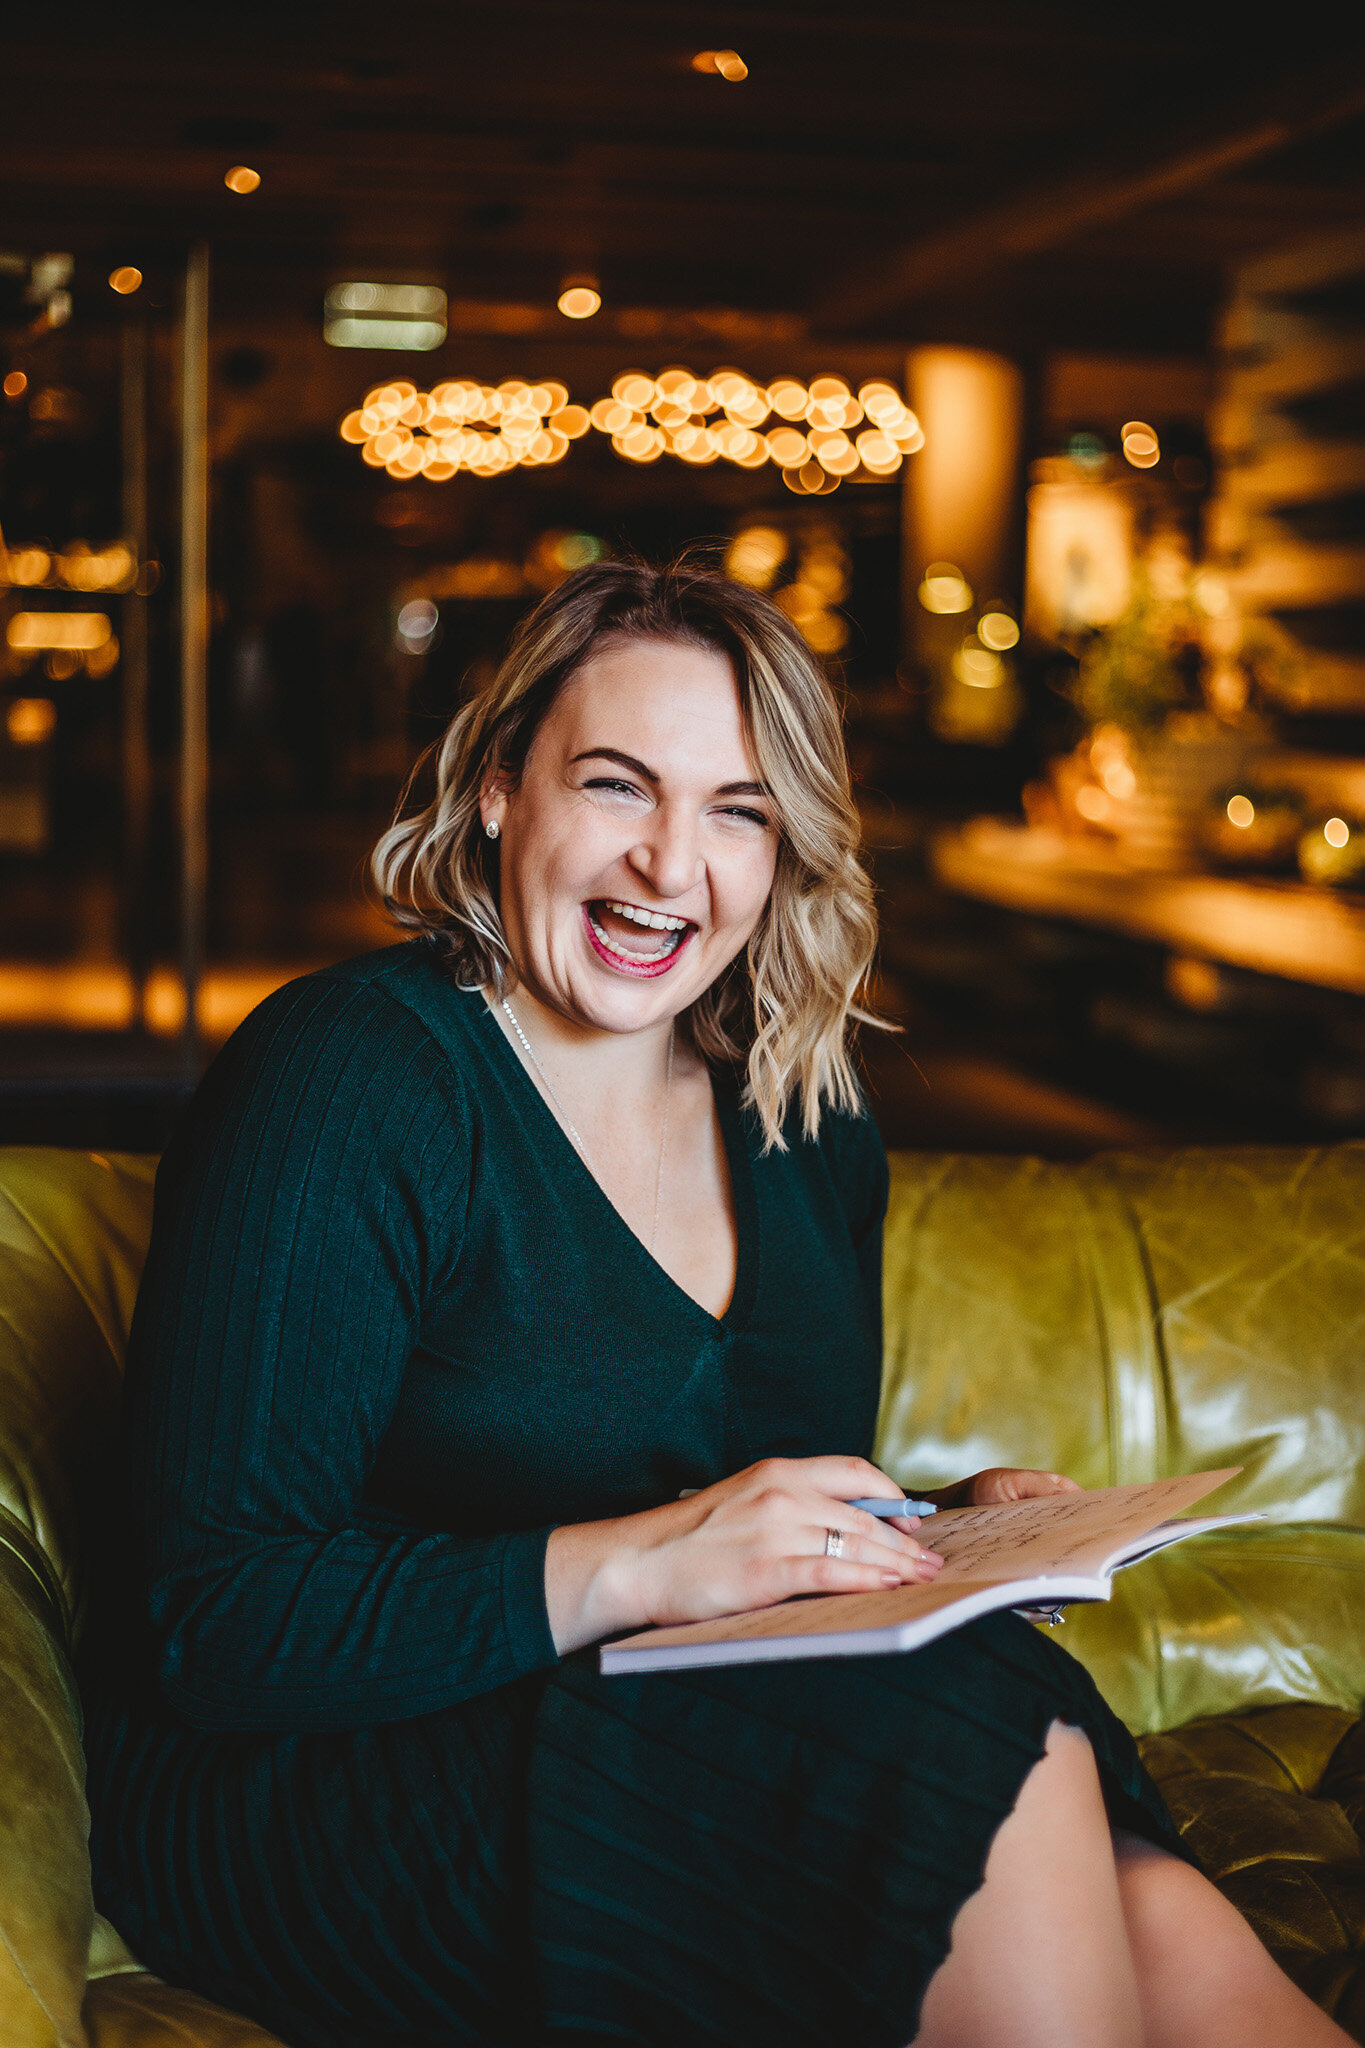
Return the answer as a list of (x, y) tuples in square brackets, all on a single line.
[(493, 803)]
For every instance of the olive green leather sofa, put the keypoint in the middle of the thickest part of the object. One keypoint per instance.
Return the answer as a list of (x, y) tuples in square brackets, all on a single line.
[(1137, 1315)]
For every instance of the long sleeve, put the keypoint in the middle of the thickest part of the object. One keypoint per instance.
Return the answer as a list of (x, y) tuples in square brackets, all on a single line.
[(304, 1214)]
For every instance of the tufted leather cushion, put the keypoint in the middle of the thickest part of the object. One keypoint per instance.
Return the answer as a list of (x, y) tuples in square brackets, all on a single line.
[(1274, 1803)]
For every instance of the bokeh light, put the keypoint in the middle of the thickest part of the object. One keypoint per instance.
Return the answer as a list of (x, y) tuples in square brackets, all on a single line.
[(1241, 811), (1141, 446), (579, 301), (16, 384), (30, 721), (35, 632), (26, 567), (461, 425), (1336, 831), (727, 64), (729, 416), (945, 589), (978, 666), (997, 630), (125, 280), (416, 623), (242, 179)]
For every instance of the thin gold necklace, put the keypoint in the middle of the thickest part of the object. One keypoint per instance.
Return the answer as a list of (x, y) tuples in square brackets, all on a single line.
[(572, 1128)]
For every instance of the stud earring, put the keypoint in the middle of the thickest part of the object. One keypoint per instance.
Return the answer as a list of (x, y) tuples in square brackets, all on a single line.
[(492, 828)]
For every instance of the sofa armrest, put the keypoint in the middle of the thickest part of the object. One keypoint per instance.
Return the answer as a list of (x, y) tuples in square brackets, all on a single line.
[(46, 1910)]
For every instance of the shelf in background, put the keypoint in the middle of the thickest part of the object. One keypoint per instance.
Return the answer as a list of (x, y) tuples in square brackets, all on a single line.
[(1282, 928)]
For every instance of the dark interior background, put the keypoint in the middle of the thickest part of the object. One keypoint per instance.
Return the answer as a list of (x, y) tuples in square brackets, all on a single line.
[(1070, 188)]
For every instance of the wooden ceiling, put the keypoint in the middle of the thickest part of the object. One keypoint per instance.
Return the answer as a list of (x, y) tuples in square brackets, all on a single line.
[(1030, 175)]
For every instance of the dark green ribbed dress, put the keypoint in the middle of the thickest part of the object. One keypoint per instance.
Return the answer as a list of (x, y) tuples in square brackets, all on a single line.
[(390, 1333)]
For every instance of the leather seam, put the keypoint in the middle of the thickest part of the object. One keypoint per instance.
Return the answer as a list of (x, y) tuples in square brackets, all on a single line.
[(1127, 1322)]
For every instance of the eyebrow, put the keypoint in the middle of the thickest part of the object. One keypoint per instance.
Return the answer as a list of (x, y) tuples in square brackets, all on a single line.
[(649, 774)]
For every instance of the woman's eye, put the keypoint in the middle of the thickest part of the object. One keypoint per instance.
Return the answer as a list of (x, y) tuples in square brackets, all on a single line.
[(746, 817), (610, 783)]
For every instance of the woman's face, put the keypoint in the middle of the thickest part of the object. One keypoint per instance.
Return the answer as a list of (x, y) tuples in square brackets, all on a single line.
[(638, 848)]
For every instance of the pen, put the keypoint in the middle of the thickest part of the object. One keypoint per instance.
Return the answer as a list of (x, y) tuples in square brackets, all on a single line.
[(885, 1509)]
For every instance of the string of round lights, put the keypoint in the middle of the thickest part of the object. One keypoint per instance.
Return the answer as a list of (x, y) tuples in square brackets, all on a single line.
[(805, 430), (482, 428)]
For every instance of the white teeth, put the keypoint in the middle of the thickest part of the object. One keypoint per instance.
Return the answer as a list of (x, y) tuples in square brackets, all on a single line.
[(654, 919), (639, 959)]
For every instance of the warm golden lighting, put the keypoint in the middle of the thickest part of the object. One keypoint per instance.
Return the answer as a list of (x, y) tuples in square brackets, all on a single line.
[(945, 589), (462, 425), (811, 480), (1140, 445), (98, 661), (26, 567), (1211, 595), (788, 448), (1336, 831), (33, 632), (788, 398), (977, 665), (724, 416), (85, 568), (878, 452), (755, 555), (1116, 776), (1079, 558), (16, 384), (579, 301), (633, 389), (1092, 803), (721, 64), (834, 452), (125, 279), (30, 721), (1242, 812), (698, 420), (996, 629), (242, 179)]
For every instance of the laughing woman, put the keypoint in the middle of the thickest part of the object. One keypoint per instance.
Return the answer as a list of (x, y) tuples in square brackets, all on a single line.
[(471, 1259)]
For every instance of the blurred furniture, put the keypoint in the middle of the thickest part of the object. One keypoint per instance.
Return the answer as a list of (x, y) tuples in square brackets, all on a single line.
[(1286, 523), (1134, 1315), (1287, 929)]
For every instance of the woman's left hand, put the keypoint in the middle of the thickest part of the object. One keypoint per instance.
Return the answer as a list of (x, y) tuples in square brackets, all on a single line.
[(1000, 1483)]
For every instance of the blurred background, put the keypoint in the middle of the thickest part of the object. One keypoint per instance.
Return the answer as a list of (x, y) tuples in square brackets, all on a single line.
[(1019, 352)]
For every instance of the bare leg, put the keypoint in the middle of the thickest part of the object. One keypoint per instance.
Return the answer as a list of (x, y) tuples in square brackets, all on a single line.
[(1040, 1955), (1202, 1974)]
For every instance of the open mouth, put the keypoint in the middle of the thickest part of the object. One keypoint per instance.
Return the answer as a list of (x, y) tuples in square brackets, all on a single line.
[(632, 939)]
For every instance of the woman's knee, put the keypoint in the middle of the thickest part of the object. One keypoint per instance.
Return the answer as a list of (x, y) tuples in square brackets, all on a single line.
[(1170, 1907)]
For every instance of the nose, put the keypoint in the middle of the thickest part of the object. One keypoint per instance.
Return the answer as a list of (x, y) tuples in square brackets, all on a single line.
[(668, 853)]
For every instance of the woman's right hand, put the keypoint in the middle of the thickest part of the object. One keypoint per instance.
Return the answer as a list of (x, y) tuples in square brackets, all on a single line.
[(749, 1541)]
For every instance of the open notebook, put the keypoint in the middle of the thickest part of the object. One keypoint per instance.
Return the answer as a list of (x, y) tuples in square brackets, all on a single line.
[(1028, 1554)]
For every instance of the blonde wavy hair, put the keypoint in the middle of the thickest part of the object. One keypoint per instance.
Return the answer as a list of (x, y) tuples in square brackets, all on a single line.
[(783, 1008)]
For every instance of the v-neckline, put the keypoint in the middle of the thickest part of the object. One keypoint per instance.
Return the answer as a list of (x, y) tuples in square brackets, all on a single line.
[(725, 1095)]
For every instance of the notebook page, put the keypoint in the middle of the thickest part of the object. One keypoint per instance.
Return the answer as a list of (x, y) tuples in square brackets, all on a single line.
[(1062, 1533)]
